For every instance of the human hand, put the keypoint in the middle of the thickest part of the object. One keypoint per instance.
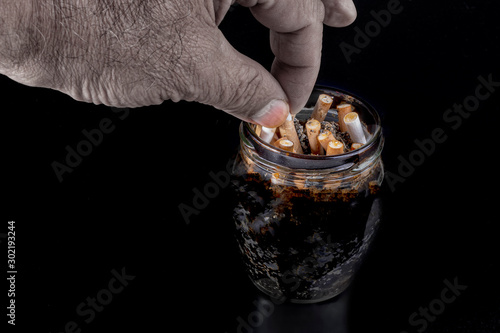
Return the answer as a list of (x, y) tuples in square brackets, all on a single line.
[(131, 53)]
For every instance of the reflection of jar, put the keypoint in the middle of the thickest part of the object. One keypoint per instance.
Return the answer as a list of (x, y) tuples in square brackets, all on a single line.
[(304, 222)]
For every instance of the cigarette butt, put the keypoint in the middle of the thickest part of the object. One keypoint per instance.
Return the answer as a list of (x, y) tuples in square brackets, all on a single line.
[(321, 108), (258, 129), (275, 138), (342, 110), (354, 127), (335, 147), (284, 144), (267, 134), (356, 145), (324, 138), (313, 127), (287, 129)]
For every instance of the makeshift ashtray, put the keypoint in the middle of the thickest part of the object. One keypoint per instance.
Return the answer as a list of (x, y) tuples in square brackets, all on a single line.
[(307, 206)]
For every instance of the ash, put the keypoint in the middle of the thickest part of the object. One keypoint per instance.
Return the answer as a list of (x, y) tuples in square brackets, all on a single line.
[(304, 141), (343, 137), (331, 126)]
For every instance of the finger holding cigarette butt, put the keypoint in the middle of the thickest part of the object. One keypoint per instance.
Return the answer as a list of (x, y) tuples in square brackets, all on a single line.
[(287, 129), (267, 133)]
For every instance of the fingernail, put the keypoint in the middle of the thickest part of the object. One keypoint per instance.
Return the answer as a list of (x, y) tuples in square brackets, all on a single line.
[(273, 114)]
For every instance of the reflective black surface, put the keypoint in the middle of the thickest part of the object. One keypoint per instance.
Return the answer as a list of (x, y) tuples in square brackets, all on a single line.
[(115, 228)]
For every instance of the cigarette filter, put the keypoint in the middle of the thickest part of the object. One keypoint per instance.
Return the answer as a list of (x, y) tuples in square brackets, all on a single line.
[(288, 130), (335, 147), (356, 145), (354, 127), (321, 108), (267, 134), (342, 110), (313, 127), (284, 144), (324, 138)]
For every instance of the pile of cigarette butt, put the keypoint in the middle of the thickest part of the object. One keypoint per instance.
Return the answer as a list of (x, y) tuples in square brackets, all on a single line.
[(317, 136)]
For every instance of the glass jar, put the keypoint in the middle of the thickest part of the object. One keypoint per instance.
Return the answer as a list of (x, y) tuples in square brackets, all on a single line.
[(304, 222)]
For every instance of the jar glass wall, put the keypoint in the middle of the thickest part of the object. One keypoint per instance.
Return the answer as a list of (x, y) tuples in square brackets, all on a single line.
[(305, 222)]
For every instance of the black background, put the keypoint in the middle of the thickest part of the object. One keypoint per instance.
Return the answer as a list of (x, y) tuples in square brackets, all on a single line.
[(119, 208)]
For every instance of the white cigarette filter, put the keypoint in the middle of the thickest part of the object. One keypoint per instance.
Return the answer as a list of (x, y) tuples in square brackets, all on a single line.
[(354, 127), (267, 133)]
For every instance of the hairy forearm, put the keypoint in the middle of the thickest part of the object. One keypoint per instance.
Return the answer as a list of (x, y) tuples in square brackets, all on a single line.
[(15, 37), (130, 53), (80, 46)]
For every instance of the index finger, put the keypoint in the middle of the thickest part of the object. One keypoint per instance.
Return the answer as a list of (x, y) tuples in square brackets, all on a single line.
[(296, 40)]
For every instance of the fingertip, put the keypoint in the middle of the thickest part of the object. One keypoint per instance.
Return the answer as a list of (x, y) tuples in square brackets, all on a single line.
[(273, 114), (339, 13)]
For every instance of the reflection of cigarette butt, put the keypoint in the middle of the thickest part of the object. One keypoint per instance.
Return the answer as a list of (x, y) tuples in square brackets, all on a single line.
[(275, 178), (288, 130), (342, 110), (324, 138), (356, 145), (354, 127), (284, 144), (360, 180), (300, 184), (313, 127), (321, 108), (280, 180), (332, 184), (335, 147), (267, 134)]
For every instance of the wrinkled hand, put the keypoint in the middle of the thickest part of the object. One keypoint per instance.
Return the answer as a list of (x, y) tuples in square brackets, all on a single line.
[(131, 53)]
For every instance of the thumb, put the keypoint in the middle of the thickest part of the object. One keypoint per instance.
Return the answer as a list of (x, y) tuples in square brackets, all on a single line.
[(241, 87)]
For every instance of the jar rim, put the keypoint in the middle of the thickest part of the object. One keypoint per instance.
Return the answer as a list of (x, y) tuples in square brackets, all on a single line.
[(305, 161)]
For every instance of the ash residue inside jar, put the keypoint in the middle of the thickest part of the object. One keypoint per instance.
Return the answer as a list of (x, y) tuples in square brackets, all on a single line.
[(331, 126), (302, 229), (303, 243)]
